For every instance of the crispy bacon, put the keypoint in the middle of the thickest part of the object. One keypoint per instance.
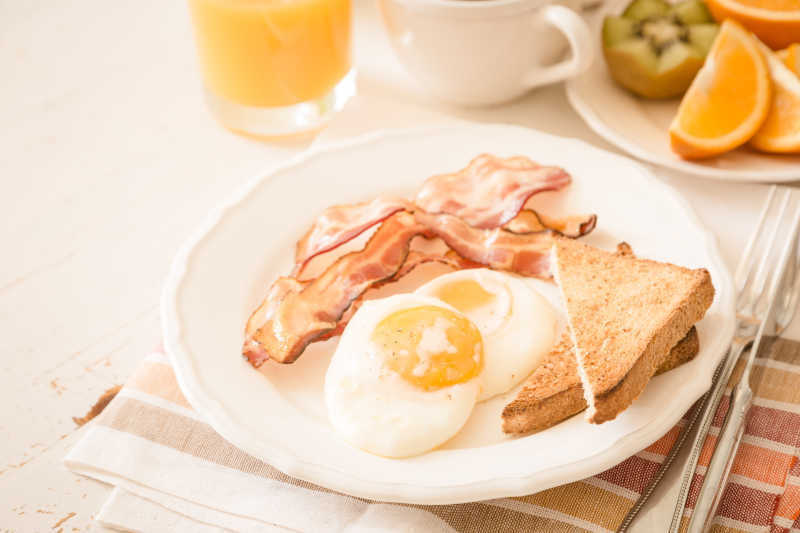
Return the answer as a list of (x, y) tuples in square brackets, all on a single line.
[(296, 315), (490, 191), (414, 259), (475, 211), (341, 223), (529, 220), (278, 291), (300, 317), (527, 254)]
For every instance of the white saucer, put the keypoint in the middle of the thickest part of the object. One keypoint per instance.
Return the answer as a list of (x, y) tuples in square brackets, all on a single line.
[(639, 126)]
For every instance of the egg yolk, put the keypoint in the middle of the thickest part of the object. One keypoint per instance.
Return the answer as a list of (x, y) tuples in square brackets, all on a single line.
[(464, 295), (430, 347)]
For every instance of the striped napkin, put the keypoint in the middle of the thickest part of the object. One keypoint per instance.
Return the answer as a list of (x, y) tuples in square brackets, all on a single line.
[(172, 472)]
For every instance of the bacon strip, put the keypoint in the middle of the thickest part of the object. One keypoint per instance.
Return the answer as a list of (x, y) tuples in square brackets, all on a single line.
[(300, 317), (465, 209), (490, 191), (341, 223), (529, 220), (414, 259), (527, 254), (278, 291), (295, 315)]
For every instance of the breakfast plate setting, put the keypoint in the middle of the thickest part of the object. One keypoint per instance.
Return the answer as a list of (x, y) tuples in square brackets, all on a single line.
[(437, 305), (464, 341)]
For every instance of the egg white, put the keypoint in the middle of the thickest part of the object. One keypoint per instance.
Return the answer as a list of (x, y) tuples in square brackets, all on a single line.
[(374, 408), (519, 326)]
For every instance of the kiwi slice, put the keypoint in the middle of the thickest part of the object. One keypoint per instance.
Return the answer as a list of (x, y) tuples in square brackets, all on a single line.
[(692, 12), (678, 54), (618, 29), (655, 48), (702, 36), (645, 9)]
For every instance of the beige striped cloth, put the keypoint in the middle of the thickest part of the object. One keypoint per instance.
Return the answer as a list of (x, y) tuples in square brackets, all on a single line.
[(172, 472)]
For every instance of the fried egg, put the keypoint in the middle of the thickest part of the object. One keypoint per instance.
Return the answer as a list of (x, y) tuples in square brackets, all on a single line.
[(405, 375), (518, 325)]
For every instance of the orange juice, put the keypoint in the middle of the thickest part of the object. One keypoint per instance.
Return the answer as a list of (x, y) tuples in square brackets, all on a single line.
[(272, 53)]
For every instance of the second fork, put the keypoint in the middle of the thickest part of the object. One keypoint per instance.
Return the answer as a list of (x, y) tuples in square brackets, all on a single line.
[(753, 305)]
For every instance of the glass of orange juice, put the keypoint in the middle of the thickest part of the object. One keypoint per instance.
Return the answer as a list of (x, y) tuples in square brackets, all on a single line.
[(274, 67)]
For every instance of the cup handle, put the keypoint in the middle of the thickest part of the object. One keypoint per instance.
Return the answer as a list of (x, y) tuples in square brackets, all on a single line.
[(579, 37)]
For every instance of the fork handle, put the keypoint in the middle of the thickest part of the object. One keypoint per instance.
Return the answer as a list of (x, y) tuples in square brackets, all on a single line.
[(709, 409), (730, 436)]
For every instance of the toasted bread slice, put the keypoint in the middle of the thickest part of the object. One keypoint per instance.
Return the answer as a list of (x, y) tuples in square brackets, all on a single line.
[(624, 314), (554, 392)]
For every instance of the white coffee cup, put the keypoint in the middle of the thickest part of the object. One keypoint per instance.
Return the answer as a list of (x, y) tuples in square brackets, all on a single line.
[(479, 52)]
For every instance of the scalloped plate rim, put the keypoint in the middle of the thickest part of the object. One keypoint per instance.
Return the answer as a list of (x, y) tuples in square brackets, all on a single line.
[(337, 479)]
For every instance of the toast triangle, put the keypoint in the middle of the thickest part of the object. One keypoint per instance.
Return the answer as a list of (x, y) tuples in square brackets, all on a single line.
[(553, 392), (625, 314)]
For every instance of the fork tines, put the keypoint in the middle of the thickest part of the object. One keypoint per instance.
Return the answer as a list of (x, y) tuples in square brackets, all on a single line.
[(755, 270)]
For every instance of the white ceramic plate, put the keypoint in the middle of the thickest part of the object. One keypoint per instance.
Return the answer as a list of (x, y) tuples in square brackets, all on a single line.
[(223, 271), (639, 126)]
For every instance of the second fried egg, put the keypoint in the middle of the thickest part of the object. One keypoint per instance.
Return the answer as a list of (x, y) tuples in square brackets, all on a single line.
[(517, 323)]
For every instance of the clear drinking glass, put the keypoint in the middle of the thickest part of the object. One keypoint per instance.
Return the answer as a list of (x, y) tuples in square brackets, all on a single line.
[(274, 67)]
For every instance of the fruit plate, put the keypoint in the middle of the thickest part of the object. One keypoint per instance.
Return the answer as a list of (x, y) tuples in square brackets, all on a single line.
[(639, 126), (279, 416)]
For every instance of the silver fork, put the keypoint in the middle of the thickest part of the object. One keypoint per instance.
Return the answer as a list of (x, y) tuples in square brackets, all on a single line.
[(755, 303), (707, 405)]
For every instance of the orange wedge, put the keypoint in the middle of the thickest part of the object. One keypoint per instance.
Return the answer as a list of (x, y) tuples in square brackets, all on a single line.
[(728, 100), (776, 22), (780, 132), (791, 57)]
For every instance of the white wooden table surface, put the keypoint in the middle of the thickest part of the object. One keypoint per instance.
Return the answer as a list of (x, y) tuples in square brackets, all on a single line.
[(108, 159)]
